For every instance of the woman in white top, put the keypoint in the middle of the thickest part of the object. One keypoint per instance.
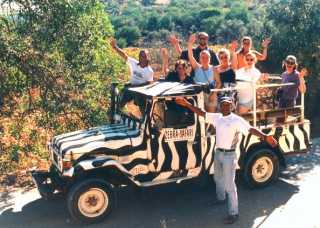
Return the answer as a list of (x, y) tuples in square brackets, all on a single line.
[(204, 74), (247, 77)]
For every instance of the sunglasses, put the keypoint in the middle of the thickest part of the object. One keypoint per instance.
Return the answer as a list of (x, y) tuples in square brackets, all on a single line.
[(290, 63), (203, 38), (249, 60), (246, 43), (223, 57)]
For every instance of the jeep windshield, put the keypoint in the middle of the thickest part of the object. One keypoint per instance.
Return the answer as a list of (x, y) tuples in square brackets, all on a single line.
[(133, 104)]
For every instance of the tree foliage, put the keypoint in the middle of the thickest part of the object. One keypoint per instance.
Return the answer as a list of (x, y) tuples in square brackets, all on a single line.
[(55, 67)]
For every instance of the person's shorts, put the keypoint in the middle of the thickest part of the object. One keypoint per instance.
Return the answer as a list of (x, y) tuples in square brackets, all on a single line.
[(248, 105)]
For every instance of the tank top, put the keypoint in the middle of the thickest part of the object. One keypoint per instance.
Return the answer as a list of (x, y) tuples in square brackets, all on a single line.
[(203, 76)]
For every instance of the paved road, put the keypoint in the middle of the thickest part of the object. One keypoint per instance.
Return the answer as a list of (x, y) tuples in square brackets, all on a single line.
[(291, 202)]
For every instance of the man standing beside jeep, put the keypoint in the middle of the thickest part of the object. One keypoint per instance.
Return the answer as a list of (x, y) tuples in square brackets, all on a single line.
[(228, 126)]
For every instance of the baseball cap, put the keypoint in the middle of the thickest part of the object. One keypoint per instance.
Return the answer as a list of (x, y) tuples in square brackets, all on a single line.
[(226, 99)]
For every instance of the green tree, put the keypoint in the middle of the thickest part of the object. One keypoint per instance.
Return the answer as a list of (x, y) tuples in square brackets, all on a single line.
[(131, 34), (58, 49), (295, 27)]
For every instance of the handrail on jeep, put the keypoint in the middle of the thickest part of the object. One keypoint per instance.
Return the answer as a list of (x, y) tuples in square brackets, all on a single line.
[(267, 113)]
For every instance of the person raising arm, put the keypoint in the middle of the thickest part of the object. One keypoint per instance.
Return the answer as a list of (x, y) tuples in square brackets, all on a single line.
[(140, 70)]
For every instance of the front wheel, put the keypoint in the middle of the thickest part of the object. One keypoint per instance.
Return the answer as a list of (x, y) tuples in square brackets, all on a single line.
[(261, 168), (91, 201)]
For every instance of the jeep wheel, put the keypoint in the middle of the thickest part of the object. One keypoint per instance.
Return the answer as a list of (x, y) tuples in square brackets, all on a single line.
[(261, 168), (90, 201)]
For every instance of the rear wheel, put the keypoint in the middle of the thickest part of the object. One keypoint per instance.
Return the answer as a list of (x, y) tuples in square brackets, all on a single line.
[(91, 201), (261, 168)]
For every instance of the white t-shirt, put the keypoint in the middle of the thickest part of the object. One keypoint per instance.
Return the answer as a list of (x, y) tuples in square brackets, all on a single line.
[(227, 129), (247, 77), (139, 75)]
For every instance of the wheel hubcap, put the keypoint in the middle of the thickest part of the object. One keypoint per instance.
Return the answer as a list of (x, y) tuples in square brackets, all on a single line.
[(262, 169), (93, 202)]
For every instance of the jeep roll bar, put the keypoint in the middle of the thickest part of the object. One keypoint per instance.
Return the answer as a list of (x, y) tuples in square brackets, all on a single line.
[(268, 113)]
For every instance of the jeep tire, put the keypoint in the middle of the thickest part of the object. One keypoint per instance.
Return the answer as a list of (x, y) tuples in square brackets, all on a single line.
[(91, 200), (261, 168)]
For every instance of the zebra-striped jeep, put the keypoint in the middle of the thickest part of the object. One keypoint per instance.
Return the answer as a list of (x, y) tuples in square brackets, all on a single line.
[(154, 141)]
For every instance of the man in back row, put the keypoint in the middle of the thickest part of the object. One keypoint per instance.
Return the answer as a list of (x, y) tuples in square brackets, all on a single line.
[(203, 39)]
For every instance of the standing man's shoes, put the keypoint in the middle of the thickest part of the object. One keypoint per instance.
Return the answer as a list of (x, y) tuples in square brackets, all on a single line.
[(230, 219)]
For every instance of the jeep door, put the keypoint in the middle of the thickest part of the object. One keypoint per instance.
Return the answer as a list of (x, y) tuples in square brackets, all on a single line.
[(175, 137)]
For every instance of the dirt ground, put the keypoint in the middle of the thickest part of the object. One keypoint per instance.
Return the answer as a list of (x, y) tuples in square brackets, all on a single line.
[(290, 202)]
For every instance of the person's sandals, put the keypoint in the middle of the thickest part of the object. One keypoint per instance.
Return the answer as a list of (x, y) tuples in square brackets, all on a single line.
[(230, 219)]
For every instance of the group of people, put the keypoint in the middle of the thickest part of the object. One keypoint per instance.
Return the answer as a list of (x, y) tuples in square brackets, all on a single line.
[(227, 68)]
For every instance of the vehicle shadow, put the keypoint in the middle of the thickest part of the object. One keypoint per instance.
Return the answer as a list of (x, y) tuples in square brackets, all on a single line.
[(298, 165), (183, 205)]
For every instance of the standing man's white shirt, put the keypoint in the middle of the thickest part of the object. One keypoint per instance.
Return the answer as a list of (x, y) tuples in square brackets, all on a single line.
[(139, 75), (247, 78), (227, 129)]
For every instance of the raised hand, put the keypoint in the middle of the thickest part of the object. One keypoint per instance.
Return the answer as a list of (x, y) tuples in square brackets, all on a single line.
[(173, 40), (304, 72), (164, 52), (233, 45), (265, 43), (264, 76), (192, 39)]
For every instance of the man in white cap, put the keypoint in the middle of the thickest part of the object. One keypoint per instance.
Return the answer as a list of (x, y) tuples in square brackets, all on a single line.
[(228, 126)]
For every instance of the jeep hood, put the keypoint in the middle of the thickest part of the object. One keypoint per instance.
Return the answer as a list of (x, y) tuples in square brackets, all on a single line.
[(107, 139)]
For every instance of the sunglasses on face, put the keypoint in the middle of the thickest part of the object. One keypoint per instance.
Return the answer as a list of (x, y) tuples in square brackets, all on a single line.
[(223, 57), (202, 38), (249, 60), (246, 43), (290, 63)]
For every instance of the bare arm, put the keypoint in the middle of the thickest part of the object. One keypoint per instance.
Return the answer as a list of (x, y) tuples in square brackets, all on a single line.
[(165, 61), (216, 77), (268, 138), (263, 56), (234, 56), (192, 60), (113, 44), (175, 43), (183, 102), (302, 84)]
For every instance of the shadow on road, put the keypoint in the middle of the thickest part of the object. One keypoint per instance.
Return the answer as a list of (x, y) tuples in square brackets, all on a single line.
[(299, 165), (184, 205)]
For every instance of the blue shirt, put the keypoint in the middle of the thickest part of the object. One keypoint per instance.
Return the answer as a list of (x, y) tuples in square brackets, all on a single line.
[(290, 92), (203, 76)]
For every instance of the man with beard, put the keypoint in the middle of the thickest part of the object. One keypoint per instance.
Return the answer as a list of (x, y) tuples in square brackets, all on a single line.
[(203, 39)]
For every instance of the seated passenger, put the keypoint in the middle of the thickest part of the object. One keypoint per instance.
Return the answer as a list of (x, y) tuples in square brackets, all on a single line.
[(246, 78), (246, 47), (226, 70), (289, 94), (180, 73), (141, 71), (204, 74)]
